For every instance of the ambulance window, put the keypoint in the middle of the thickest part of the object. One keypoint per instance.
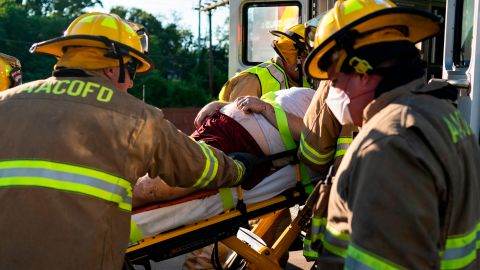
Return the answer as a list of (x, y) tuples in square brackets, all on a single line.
[(462, 47), (258, 20)]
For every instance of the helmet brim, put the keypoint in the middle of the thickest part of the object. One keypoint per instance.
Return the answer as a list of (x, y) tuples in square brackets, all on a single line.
[(56, 47), (397, 16)]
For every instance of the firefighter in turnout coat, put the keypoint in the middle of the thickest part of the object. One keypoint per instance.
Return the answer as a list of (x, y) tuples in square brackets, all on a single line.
[(407, 191)]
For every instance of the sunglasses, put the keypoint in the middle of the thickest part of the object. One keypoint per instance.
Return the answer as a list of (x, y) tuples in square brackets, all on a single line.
[(132, 66)]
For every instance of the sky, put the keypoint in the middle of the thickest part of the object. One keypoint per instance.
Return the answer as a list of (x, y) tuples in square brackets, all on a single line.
[(164, 10)]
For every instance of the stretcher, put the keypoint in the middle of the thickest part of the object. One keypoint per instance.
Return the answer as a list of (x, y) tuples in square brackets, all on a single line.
[(192, 224)]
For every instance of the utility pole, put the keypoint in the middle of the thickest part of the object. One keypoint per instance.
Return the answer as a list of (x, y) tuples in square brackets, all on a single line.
[(208, 8), (210, 53), (199, 21)]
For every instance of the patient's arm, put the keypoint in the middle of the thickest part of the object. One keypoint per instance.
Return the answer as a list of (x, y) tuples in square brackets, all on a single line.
[(208, 110), (256, 105), (148, 190)]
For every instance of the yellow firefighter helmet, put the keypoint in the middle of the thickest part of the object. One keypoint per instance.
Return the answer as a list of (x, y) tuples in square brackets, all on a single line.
[(352, 24), (103, 31), (290, 44), (10, 72)]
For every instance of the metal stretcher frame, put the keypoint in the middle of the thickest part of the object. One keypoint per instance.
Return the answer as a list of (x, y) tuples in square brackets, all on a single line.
[(222, 227)]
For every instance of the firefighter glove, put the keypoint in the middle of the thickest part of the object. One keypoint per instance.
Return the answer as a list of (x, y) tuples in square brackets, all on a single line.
[(249, 161)]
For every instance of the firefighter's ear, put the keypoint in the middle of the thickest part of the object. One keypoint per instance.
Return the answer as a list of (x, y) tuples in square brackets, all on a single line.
[(370, 80), (109, 72)]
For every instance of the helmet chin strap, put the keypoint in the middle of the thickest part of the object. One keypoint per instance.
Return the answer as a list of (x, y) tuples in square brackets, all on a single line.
[(121, 75), (115, 53), (300, 72)]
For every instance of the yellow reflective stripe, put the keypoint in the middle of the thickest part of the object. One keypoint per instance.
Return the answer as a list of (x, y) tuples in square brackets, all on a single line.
[(287, 138), (342, 145), (110, 23), (226, 195), (61, 185), (240, 172), (340, 152), (317, 228), (360, 259), (344, 140), (312, 155), (461, 250), (308, 251), (135, 232), (66, 177), (62, 167), (271, 76), (335, 241), (211, 166), (462, 240)]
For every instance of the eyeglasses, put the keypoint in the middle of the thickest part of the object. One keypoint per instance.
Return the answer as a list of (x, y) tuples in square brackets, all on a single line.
[(132, 66)]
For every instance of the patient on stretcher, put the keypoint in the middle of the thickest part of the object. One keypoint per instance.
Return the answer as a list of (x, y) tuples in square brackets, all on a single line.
[(231, 130)]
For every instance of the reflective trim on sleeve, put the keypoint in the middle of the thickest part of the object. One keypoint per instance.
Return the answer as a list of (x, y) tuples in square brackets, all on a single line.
[(308, 252), (240, 172), (335, 242), (342, 145), (211, 166), (312, 155), (64, 177), (317, 225), (460, 251), (359, 259), (227, 198), (331, 240)]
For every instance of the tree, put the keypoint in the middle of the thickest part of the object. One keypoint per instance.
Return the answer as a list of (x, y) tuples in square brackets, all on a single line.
[(64, 8), (180, 77)]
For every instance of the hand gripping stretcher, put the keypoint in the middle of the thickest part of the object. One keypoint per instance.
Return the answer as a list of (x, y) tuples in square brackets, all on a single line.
[(222, 216)]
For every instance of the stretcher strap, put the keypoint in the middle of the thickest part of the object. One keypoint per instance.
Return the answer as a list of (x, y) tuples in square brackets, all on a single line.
[(282, 121), (135, 232), (287, 138), (226, 195)]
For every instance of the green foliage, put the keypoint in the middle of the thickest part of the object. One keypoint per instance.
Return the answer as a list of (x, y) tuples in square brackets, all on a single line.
[(64, 8), (180, 78)]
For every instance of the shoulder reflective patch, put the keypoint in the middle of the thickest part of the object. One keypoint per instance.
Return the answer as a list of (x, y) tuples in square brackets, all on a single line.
[(457, 126), (73, 88)]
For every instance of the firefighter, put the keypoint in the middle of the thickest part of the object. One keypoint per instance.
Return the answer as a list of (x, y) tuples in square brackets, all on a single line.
[(406, 193), (77, 142), (281, 72), (323, 143), (10, 72)]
